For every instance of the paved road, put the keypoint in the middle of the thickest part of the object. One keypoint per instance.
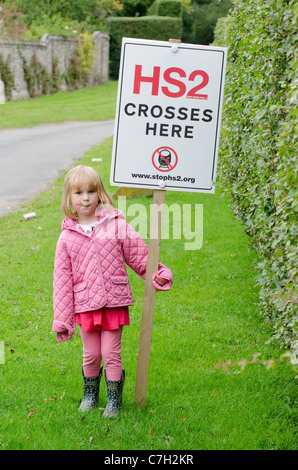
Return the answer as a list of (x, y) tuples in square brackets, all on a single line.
[(32, 158)]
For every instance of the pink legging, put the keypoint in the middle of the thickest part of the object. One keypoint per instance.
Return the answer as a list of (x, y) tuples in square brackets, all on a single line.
[(102, 345)]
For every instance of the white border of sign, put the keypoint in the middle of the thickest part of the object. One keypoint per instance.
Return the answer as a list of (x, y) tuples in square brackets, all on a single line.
[(126, 130)]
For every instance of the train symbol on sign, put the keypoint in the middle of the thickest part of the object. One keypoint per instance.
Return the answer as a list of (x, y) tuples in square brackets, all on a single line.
[(164, 159)]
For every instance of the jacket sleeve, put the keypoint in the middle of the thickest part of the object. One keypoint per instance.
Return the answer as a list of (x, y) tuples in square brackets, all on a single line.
[(64, 324), (135, 252)]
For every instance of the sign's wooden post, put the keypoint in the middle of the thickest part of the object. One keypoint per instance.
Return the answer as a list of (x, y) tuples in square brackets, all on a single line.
[(149, 297), (166, 136)]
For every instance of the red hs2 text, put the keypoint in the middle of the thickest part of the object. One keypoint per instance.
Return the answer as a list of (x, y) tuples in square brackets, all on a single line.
[(200, 79)]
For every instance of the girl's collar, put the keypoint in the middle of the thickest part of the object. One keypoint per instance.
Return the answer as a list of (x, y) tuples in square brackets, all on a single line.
[(104, 215), (90, 228)]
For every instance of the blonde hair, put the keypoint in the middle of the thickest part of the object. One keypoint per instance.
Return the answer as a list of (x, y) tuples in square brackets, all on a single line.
[(77, 178)]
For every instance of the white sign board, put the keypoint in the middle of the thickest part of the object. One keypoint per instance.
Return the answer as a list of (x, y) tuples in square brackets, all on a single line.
[(168, 115)]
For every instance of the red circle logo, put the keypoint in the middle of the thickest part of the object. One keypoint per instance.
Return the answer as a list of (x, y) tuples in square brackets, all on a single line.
[(164, 159)]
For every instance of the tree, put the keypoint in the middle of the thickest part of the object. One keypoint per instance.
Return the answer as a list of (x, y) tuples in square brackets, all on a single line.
[(12, 21), (199, 23), (134, 7), (81, 11)]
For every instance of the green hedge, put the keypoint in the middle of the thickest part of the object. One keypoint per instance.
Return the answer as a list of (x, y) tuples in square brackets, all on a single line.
[(199, 22), (258, 158), (171, 8), (145, 27)]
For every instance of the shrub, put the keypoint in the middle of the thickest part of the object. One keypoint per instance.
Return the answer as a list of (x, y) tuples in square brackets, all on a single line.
[(12, 22), (85, 52), (55, 24), (80, 63), (258, 158), (145, 27), (166, 8), (199, 21), (134, 7), (6, 76), (36, 76)]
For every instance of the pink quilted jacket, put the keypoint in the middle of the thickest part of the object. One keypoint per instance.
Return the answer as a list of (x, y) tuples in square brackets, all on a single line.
[(90, 272)]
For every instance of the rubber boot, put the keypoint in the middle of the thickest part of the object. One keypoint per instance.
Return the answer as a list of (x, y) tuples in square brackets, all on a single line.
[(114, 394), (91, 391)]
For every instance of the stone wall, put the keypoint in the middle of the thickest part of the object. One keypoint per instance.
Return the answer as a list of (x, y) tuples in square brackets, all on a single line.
[(52, 54)]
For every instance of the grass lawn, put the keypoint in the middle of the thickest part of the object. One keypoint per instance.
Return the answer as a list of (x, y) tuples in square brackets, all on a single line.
[(90, 104), (209, 315)]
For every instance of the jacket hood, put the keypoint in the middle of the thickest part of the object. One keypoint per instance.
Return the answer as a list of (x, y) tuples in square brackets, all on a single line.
[(105, 216)]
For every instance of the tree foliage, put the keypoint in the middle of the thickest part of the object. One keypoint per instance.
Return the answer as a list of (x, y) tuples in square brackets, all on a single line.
[(258, 160), (134, 7), (12, 21), (77, 10), (63, 16), (200, 20), (73, 17)]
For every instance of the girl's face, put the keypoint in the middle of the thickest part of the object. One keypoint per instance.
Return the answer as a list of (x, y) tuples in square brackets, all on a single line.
[(84, 201)]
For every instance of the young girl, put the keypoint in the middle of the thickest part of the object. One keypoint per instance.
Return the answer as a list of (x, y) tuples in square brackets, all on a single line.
[(91, 286)]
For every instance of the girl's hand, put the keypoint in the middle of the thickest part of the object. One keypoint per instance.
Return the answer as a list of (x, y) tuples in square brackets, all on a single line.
[(161, 281)]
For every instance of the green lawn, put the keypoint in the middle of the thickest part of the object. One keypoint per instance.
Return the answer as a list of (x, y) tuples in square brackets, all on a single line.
[(209, 315), (91, 104)]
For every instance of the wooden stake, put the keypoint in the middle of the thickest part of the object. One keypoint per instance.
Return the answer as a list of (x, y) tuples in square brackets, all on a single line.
[(149, 297), (149, 292)]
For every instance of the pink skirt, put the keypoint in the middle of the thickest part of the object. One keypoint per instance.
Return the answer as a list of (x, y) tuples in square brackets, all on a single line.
[(103, 319)]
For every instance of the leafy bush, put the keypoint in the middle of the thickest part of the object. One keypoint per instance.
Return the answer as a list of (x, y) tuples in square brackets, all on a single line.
[(134, 7), (63, 17), (258, 158), (145, 27), (12, 21), (82, 11), (166, 8), (220, 32), (200, 20), (55, 24), (85, 52), (6, 76), (80, 63), (36, 76)]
